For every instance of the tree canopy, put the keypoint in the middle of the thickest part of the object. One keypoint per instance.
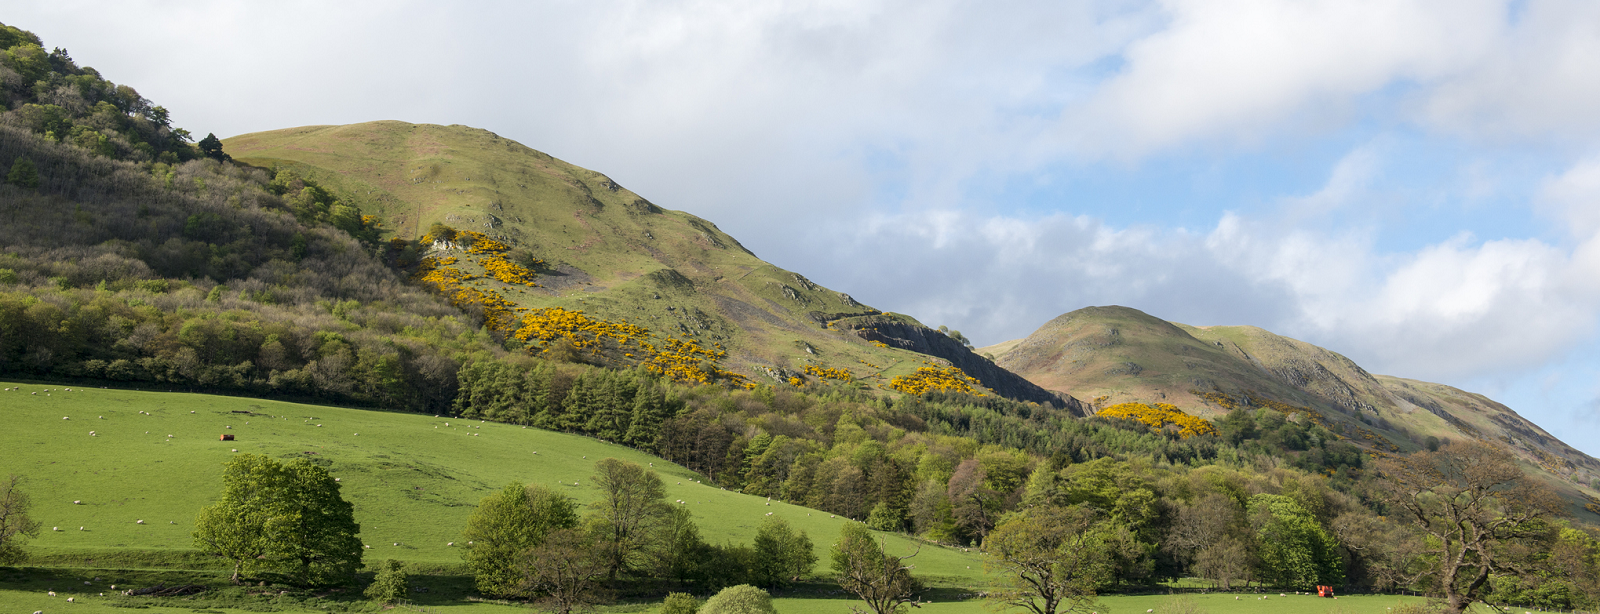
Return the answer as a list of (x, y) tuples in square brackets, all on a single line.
[(287, 518)]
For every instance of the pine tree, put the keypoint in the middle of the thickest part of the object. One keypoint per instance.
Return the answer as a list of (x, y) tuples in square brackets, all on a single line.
[(211, 146), (644, 426)]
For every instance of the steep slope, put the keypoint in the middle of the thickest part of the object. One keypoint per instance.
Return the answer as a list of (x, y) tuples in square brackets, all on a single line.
[(1117, 354), (605, 250)]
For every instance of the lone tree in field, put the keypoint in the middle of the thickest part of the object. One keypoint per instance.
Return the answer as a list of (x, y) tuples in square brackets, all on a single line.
[(1051, 557), (632, 505), (286, 518), (14, 522), (505, 526), (1482, 515), (882, 580)]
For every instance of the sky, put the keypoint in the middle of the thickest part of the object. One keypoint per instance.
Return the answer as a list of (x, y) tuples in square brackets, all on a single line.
[(1414, 184)]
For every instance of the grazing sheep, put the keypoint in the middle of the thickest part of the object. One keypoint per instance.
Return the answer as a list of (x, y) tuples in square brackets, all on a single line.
[(77, 502), (52, 593), (138, 522)]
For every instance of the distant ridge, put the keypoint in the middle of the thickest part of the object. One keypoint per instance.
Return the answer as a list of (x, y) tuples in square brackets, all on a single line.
[(1108, 355)]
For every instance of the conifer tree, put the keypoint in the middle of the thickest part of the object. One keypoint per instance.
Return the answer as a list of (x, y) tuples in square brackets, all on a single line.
[(211, 146)]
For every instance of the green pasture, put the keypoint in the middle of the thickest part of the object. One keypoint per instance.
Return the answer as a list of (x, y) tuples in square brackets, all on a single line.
[(413, 479)]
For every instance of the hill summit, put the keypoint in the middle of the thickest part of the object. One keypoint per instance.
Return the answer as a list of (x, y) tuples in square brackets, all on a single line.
[(598, 247)]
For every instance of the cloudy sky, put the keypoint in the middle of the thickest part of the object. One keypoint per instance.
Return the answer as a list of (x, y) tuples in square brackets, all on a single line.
[(1413, 184)]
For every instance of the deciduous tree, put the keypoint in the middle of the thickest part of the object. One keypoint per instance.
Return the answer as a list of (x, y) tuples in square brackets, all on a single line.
[(505, 526), (285, 517), (632, 504), (564, 570), (782, 555), (1052, 559), (882, 580), (15, 525), (1478, 509)]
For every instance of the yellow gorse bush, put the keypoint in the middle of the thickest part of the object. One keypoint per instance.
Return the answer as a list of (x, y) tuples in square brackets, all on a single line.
[(935, 379), (498, 313), (830, 373), (1160, 416), (676, 359)]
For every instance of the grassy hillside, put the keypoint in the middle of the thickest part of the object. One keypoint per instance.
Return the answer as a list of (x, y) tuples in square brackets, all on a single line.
[(606, 250), (412, 479), (1111, 355)]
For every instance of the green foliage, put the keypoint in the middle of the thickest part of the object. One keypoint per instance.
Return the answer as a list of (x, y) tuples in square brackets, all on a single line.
[(1052, 558), (211, 146), (1295, 551), (15, 524), (627, 516), (287, 518), (23, 174), (882, 580), (679, 603), (741, 599), (506, 525), (782, 554), (391, 584)]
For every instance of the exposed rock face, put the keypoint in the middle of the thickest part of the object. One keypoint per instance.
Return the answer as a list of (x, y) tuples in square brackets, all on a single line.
[(924, 340)]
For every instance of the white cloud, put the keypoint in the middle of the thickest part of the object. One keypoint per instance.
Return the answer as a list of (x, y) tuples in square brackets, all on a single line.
[(1537, 82), (1241, 70)]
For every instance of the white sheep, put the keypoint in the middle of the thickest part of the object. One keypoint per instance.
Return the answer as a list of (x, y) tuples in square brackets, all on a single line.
[(52, 593), (138, 522), (65, 418), (77, 502)]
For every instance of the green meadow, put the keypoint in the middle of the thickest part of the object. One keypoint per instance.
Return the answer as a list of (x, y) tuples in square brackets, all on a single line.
[(100, 461)]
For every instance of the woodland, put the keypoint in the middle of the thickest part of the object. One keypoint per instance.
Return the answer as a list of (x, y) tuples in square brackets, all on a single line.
[(131, 256)]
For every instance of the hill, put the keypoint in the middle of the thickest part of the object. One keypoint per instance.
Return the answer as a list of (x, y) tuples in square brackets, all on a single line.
[(156, 457), (608, 251), (1117, 354)]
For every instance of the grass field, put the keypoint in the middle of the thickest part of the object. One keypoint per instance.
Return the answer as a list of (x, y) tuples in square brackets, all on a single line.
[(156, 457)]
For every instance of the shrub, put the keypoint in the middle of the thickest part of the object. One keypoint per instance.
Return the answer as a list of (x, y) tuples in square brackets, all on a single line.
[(741, 599), (680, 603), (390, 584)]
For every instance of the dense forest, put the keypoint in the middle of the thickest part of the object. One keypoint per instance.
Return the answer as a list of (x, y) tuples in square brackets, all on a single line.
[(132, 256)]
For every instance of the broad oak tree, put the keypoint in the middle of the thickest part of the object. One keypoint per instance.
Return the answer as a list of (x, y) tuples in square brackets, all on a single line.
[(1480, 513), (1051, 558), (285, 517)]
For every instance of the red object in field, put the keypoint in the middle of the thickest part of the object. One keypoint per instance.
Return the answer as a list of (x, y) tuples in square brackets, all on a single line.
[(227, 437), (1324, 591)]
